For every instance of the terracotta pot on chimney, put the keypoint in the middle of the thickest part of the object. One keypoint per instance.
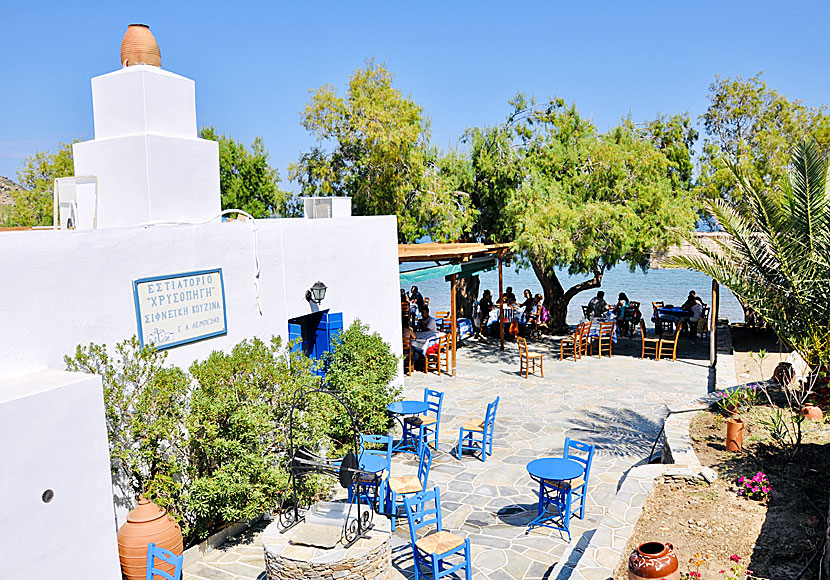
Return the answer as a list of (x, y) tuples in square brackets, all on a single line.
[(139, 46), (145, 524)]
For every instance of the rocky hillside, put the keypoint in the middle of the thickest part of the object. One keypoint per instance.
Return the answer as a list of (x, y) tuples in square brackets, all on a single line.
[(6, 187)]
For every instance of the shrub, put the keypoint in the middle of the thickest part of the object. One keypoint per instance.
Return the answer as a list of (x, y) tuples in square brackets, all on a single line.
[(238, 431), (145, 405), (361, 368)]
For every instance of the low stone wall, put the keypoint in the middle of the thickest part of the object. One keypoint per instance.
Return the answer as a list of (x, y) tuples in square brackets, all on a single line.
[(369, 558)]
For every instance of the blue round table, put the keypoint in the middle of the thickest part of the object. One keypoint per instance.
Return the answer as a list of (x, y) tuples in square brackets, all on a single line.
[(401, 409), (549, 472)]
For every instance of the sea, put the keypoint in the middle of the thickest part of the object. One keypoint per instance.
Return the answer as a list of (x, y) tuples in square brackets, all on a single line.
[(669, 285)]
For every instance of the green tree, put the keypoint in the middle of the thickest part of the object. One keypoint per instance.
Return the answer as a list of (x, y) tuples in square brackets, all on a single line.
[(568, 197), (246, 180), (777, 260), (33, 205), (751, 127), (380, 156)]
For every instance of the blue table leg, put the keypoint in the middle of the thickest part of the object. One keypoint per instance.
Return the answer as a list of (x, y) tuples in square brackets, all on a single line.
[(553, 495)]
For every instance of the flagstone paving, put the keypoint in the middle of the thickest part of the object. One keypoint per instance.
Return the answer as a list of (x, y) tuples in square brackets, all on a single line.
[(618, 404)]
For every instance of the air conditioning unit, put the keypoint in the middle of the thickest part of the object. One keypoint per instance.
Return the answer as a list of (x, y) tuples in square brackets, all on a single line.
[(327, 207), (76, 203)]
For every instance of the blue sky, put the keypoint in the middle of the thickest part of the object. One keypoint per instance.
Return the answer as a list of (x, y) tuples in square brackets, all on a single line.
[(255, 62)]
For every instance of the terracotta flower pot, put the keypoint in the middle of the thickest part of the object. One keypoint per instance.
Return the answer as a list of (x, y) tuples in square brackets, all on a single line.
[(653, 560), (734, 434), (145, 524), (811, 412), (139, 46), (783, 373)]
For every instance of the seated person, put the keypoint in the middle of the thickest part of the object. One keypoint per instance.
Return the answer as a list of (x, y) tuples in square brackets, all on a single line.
[(428, 323), (597, 306), (691, 301), (691, 323), (527, 305), (485, 306), (407, 331), (511, 298), (621, 306)]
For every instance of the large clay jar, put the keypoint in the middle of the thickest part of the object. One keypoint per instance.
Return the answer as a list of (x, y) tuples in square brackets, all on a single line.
[(811, 412), (734, 434), (783, 373), (145, 524), (653, 560), (139, 46)]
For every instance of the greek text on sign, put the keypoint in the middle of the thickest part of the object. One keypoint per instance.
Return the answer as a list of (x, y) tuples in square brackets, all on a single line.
[(180, 308)]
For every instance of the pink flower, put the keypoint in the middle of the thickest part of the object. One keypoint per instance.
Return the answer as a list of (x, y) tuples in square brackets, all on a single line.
[(735, 558)]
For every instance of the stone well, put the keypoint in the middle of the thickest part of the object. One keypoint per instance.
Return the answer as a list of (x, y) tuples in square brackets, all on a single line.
[(369, 558)]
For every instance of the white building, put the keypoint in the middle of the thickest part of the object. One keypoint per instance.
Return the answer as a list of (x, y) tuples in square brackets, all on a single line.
[(62, 288)]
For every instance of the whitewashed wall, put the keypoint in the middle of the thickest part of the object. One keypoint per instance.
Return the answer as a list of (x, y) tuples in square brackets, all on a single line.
[(59, 289)]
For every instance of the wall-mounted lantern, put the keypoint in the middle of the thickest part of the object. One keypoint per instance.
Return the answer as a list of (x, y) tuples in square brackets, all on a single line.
[(316, 293)]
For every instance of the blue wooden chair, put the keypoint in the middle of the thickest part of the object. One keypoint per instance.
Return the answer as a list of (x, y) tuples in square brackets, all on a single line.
[(425, 428), (434, 548), (584, 454), (477, 434), (371, 482), (398, 487), (166, 556)]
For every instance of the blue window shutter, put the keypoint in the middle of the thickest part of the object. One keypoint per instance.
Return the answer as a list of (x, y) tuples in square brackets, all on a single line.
[(335, 327), (296, 331)]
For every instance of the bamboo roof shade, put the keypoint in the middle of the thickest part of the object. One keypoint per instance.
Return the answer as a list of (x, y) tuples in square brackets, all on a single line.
[(434, 251)]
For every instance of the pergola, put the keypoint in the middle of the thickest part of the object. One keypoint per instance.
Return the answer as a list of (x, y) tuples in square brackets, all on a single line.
[(453, 261), (687, 249)]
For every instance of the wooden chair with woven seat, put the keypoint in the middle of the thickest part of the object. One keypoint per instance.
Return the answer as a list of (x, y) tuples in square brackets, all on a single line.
[(400, 486), (669, 344), (433, 359), (477, 434), (651, 344), (435, 548), (527, 358), (425, 428), (571, 344), (408, 358), (605, 337), (442, 320)]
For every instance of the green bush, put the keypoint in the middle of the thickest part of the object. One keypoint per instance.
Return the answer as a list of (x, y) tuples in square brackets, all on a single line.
[(145, 405), (361, 368)]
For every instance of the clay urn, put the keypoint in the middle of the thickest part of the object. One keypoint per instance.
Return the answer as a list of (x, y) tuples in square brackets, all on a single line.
[(139, 46), (783, 373), (147, 523), (734, 434), (653, 560), (811, 412)]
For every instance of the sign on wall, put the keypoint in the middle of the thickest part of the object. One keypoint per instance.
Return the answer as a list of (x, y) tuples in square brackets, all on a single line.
[(180, 308)]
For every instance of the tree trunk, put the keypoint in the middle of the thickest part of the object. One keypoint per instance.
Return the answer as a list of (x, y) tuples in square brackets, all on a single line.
[(465, 294), (557, 298)]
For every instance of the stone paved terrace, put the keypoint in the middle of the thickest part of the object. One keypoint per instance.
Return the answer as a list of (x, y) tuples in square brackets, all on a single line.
[(617, 403)]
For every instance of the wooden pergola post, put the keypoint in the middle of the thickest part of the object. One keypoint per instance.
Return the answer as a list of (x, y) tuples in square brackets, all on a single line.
[(453, 317), (713, 324), (501, 305)]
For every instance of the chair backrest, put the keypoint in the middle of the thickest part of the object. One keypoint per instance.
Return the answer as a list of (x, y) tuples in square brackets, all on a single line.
[(407, 346), (419, 514), (522, 344), (656, 306), (606, 329), (642, 328), (382, 441), (426, 301), (490, 418), (572, 450), (424, 464), (155, 552), (435, 400), (584, 328)]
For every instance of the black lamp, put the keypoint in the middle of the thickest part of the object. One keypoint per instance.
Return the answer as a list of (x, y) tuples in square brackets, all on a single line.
[(316, 293)]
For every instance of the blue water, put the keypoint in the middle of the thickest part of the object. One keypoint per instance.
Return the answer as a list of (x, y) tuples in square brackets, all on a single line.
[(670, 286)]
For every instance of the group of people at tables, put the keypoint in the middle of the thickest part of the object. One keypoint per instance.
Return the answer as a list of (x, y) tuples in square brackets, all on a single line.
[(627, 313), (522, 317)]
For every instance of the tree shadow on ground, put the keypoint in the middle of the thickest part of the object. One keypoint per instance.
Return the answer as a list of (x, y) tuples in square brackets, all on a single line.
[(616, 432)]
